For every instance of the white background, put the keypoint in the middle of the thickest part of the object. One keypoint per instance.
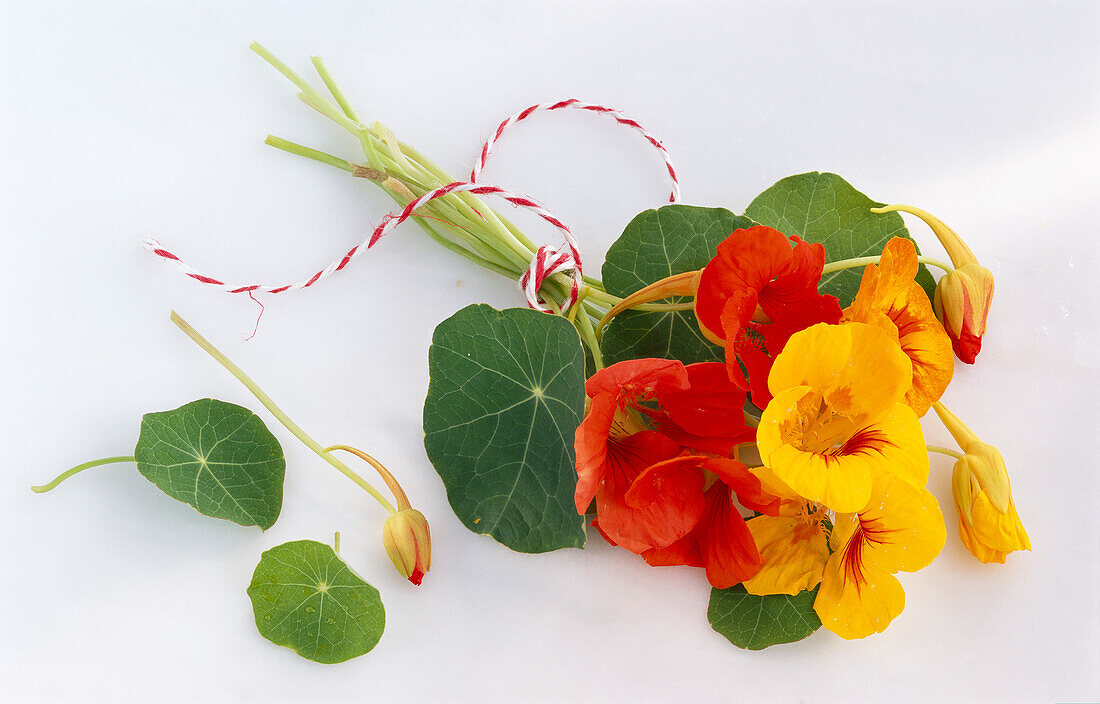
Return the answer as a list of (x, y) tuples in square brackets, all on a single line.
[(120, 121)]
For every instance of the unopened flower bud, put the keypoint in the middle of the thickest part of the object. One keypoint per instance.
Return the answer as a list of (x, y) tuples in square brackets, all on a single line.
[(408, 542), (963, 296), (962, 304), (989, 526)]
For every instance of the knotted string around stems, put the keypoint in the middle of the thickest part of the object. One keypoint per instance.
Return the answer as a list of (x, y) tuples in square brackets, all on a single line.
[(546, 262)]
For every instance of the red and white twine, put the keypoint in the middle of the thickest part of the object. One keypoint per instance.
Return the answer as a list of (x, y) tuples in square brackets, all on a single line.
[(546, 262), (575, 104)]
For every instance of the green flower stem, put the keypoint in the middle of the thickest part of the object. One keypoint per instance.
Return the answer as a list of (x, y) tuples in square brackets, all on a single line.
[(460, 222), (278, 412), (42, 489), (287, 146), (522, 243), (863, 261), (324, 158), (337, 94), (474, 211), (944, 451), (588, 333)]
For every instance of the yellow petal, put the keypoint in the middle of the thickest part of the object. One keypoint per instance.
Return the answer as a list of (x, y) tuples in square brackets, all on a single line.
[(794, 552), (894, 437), (855, 366), (902, 526), (857, 610), (841, 483), (999, 531)]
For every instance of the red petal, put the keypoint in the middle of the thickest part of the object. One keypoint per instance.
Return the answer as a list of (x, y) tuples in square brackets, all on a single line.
[(596, 524), (668, 513), (715, 444), (750, 493), (967, 346), (636, 376), (797, 282), (750, 352), (684, 551), (745, 262), (590, 443), (712, 406), (729, 553), (659, 480)]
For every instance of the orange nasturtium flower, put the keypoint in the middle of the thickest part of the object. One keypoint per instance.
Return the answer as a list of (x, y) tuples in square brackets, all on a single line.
[(838, 418), (890, 298), (900, 530), (756, 292), (963, 296)]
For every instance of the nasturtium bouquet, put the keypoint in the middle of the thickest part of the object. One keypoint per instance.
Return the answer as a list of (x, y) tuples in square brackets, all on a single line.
[(741, 394)]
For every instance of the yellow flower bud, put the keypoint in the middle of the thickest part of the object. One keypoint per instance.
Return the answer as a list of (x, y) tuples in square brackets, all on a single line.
[(962, 301), (408, 542), (989, 526)]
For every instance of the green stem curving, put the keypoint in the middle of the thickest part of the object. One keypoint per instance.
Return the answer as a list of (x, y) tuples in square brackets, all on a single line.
[(43, 488), (278, 412), (864, 261)]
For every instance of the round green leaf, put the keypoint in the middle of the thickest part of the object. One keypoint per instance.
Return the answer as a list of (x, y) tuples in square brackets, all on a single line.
[(756, 622), (504, 402), (823, 207), (657, 244), (304, 597), (216, 456)]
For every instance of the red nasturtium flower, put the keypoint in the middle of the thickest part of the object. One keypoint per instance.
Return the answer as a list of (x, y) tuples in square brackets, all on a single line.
[(721, 542), (639, 455), (757, 292), (614, 445)]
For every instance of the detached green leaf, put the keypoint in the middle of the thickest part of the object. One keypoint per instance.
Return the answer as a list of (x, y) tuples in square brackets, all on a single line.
[(755, 622), (504, 402), (823, 207), (307, 599), (216, 456), (655, 245)]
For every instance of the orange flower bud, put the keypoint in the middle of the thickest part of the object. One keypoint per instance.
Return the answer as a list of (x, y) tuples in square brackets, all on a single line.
[(408, 542), (963, 296), (962, 304)]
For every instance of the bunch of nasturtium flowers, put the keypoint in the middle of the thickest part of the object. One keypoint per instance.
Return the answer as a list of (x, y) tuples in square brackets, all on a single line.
[(739, 393)]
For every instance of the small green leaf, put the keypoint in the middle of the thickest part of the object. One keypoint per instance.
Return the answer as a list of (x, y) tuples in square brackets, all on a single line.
[(504, 402), (755, 622), (823, 207), (657, 244), (216, 456), (306, 598)]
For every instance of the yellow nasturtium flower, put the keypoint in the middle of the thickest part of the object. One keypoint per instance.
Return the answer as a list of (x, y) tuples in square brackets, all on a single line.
[(838, 419), (900, 530)]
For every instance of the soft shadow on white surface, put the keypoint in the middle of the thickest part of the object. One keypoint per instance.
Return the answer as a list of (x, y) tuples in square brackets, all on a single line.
[(121, 121)]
